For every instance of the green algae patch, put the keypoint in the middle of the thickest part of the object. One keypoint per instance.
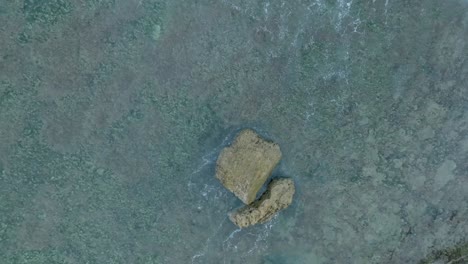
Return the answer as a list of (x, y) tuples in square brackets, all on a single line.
[(455, 255), (47, 12)]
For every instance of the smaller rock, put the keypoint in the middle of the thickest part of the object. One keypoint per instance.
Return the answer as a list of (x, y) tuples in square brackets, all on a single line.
[(277, 197)]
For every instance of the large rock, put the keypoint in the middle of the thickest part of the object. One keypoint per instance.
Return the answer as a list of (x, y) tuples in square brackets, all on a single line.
[(244, 167), (278, 196)]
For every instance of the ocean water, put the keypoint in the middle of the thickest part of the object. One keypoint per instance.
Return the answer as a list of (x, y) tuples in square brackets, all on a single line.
[(113, 113)]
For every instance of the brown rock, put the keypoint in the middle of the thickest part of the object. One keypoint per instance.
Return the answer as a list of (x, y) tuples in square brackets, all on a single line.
[(245, 166), (277, 197)]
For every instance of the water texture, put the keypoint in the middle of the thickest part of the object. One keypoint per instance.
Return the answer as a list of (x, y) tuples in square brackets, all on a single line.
[(113, 112)]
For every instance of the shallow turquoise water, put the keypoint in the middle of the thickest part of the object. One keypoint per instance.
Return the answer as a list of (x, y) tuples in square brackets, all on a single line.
[(112, 114)]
